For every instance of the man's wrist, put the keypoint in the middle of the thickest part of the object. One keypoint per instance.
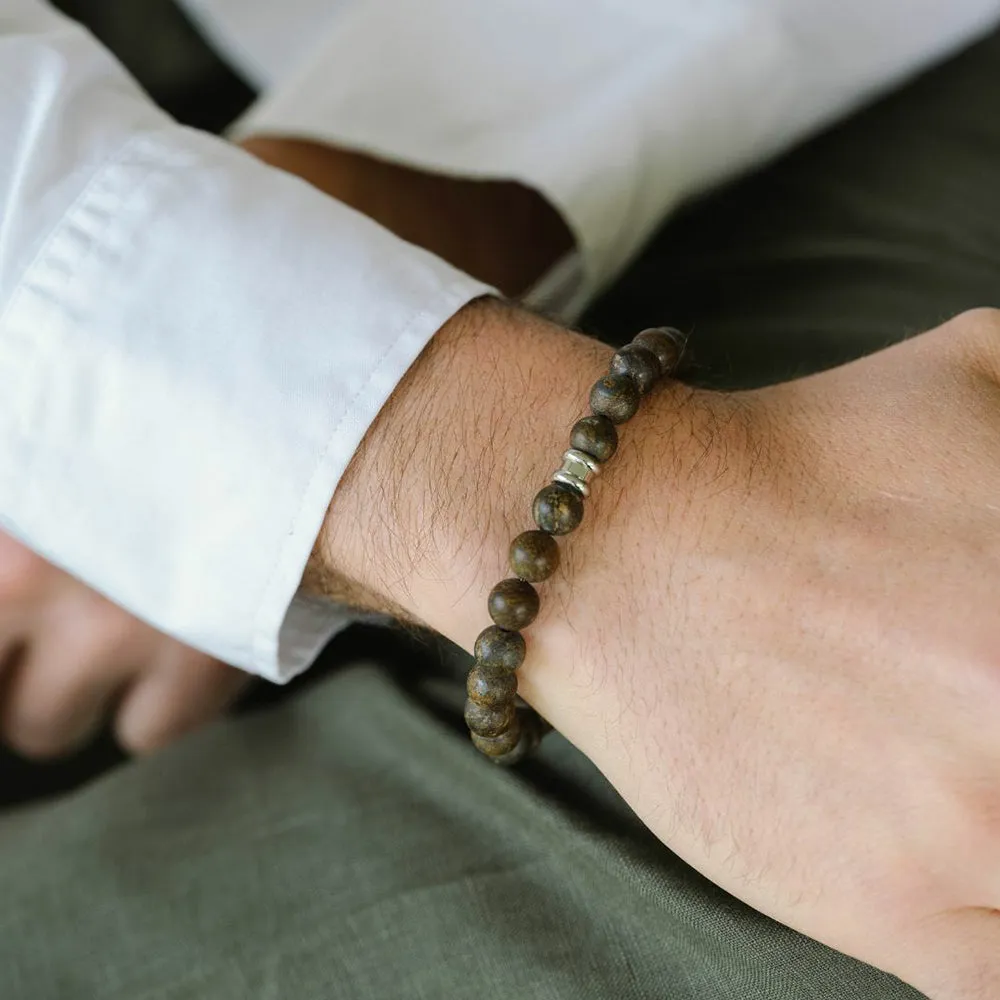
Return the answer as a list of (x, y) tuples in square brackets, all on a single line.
[(444, 479), (447, 471)]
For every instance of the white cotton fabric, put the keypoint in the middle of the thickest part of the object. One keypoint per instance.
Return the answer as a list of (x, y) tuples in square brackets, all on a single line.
[(191, 347), (616, 110)]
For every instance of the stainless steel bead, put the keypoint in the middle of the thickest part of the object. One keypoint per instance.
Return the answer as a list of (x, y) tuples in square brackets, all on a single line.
[(576, 470), (665, 342), (615, 397), (596, 436), (500, 649), (639, 363)]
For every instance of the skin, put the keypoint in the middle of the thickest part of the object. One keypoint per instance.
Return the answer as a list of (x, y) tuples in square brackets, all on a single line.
[(775, 630), (72, 659)]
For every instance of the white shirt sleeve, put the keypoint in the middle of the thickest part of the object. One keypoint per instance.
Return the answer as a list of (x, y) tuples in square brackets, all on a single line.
[(615, 110), (191, 347)]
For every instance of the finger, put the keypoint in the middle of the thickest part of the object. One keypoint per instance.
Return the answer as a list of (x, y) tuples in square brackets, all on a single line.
[(182, 691), (55, 705), (74, 668)]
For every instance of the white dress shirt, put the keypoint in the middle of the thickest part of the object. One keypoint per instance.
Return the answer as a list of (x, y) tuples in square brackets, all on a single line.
[(192, 344)]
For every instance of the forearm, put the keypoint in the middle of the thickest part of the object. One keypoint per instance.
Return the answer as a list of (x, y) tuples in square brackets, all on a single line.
[(498, 231)]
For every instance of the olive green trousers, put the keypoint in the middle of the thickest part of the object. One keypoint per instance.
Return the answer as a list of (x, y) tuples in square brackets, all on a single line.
[(347, 842)]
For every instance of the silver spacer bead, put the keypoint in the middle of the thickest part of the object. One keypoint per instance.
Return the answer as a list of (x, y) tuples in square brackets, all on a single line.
[(576, 470)]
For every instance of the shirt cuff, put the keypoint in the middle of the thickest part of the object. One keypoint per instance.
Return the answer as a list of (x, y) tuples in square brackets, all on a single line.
[(191, 360), (615, 112)]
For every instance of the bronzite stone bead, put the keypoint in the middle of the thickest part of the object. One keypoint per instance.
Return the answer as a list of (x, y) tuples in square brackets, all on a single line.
[(534, 556), (485, 721), (665, 342), (639, 364), (615, 397), (596, 436), (531, 736), (490, 687), (500, 649), (557, 509), (498, 746), (513, 604)]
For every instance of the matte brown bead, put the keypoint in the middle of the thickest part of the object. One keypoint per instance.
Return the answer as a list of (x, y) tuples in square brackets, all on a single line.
[(497, 746), (526, 745), (534, 556), (497, 648), (638, 363), (490, 687), (484, 721), (665, 342), (596, 436), (615, 397), (513, 604), (558, 509)]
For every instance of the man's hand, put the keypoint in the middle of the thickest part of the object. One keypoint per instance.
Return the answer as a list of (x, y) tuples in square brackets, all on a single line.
[(775, 631), (71, 659), (791, 668)]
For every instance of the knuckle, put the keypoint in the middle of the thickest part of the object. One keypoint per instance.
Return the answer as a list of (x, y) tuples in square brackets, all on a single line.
[(977, 332), (53, 707), (144, 737), (984, 317), (37, 734), (980, 316), (981, 322)]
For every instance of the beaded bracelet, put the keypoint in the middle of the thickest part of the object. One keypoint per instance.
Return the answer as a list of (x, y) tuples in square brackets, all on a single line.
[(502, 726)]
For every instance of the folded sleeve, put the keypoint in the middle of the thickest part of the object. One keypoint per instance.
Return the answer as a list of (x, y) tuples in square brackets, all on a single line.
[(615, 111), (191, 347)]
